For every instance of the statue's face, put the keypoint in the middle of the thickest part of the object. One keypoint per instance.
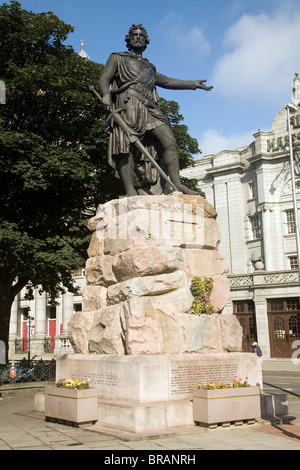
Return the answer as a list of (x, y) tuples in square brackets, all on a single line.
[(138, 39)]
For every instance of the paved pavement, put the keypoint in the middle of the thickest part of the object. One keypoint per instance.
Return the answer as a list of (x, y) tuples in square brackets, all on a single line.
[(21, 428)]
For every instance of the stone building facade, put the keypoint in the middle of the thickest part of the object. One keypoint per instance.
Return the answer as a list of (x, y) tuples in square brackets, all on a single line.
[(251, 189), (48, 323)]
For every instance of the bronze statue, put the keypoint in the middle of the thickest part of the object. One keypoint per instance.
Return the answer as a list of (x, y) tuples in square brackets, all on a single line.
[(128, 86)]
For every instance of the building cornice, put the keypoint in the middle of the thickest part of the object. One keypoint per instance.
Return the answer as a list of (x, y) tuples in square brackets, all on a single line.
[(229, 168), (269, 157)]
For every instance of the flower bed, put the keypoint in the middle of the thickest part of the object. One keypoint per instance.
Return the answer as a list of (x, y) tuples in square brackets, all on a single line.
[(226, 403), (71, 402)]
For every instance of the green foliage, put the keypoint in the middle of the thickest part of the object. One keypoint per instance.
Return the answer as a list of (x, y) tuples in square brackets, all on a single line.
[(192, 183), (201, 289), (52, 153), (53, 147), (186, 145)]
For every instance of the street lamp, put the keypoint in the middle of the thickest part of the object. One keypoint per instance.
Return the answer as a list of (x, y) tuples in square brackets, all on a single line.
[(291, 107), (29, 324)]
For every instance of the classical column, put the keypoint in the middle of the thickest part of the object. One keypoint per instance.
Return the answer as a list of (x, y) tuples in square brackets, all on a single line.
[(267, 237), (40, 314), (13, 325), (262, 325), (67, 311)]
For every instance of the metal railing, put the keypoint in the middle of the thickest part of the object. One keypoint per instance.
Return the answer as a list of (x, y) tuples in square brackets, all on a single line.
[(27, 371)]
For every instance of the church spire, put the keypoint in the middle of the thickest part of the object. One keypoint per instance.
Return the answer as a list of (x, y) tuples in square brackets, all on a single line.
[(82, 53)]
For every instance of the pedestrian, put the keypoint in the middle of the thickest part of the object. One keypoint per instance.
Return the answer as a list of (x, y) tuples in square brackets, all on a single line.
[(256, 349)]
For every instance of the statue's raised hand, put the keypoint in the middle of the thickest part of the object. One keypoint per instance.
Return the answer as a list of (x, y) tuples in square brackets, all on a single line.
[(200, 84)]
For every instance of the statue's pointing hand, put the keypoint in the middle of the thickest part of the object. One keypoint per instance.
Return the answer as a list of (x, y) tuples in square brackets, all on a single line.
[(200, 84)]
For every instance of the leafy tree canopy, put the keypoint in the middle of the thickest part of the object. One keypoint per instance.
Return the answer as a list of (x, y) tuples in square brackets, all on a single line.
[(53, 166), (52, 155)]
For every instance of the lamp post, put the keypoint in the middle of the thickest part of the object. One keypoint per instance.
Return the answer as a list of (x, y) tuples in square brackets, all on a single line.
[(29, 325), (291, 107)]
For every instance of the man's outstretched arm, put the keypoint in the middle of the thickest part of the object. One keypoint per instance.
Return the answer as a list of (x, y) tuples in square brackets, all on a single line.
[(176, 84)]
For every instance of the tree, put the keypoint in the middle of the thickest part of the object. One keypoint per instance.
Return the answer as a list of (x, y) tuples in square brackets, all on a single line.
[(52, 156), (53, 166), (187, 146)]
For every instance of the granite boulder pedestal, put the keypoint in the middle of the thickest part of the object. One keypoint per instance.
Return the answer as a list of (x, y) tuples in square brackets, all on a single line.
[(144, 253), (137, 319)]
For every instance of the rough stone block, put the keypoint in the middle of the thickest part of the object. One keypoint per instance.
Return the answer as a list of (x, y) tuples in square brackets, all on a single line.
[(141, 286), (79, 328), (207, 262), (107, 334), (98, 271), (220, 294), (147, 261), (94, 298), (96, 245)]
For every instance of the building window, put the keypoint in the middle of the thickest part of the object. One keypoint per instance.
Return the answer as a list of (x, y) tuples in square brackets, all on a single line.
[(78, 272), (284, 305), (293, 262), (292, 304), (78, 307), (243, 306), (290, 221), (255, 226), (294, 326), (251, 190), (52, 313), (275, 305)]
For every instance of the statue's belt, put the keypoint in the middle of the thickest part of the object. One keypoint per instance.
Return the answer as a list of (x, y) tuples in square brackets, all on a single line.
[(142, 98)]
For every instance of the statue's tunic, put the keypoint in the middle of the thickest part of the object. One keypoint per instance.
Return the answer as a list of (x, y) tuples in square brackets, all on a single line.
[(139, 100)]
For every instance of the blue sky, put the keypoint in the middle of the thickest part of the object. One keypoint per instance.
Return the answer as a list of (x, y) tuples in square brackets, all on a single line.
[(248, 49)]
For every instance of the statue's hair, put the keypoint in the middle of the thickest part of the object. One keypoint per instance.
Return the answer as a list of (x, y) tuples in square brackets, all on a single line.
[(132, 29)]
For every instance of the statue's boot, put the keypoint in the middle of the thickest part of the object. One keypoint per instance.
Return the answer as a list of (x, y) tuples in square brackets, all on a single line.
[(173, 170), (185, 190)]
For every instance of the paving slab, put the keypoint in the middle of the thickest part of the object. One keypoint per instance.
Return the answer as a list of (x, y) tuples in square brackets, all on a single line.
[(21, 428)]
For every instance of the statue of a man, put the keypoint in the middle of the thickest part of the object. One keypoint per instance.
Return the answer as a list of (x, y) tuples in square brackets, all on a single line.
[(129, 82)]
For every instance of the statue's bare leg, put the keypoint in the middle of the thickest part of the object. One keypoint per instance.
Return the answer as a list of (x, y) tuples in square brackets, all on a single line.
[(126, 168), (165, 137)]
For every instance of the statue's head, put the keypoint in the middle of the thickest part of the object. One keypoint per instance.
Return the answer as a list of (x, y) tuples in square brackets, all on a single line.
[(137, 37)]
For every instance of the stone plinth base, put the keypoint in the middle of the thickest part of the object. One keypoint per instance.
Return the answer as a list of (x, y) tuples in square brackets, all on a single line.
[(154, 392)]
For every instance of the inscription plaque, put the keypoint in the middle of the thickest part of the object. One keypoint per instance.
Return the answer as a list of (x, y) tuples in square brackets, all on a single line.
[(185, 377), (100, 379)]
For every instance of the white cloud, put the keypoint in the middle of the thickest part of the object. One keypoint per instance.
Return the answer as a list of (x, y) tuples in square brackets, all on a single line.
[(263, 54), (211, 142), (195, 40), (189, 39)]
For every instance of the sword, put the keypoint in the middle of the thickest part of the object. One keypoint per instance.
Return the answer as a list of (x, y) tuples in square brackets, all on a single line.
[(122, 124)]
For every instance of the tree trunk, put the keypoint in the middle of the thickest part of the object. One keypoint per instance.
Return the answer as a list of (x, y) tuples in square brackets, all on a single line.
[(8, 291), (5, 308)]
